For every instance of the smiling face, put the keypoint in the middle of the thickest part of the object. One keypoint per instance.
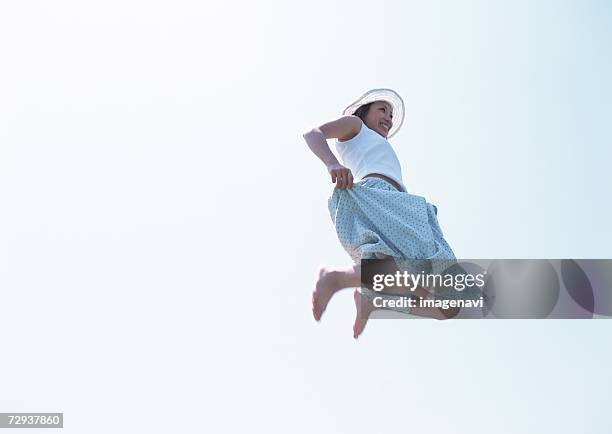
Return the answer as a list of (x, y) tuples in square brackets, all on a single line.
[(380, 117)]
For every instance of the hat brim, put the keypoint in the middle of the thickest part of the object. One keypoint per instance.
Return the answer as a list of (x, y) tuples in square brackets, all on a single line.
[(387, 95)]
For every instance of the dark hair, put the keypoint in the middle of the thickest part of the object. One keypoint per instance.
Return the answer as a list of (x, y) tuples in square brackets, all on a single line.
[(362, 111)]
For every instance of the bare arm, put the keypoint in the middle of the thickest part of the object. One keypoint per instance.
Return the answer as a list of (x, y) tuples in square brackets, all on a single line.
[(317, 142), (343, 129)]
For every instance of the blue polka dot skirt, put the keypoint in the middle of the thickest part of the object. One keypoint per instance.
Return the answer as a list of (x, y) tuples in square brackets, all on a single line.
[(373, 220)]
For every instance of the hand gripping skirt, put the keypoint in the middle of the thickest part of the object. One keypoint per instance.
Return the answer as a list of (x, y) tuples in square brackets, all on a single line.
[(373, 220)]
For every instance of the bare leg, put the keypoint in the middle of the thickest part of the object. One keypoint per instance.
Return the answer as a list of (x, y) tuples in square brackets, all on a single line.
[(434, 312), (330, 280), (364, 308)]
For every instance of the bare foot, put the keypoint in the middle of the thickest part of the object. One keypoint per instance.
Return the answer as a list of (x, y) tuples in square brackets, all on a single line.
[(364, 309), (326, 285)]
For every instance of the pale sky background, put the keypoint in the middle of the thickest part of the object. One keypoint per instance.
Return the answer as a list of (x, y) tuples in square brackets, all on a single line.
[(161, 217)]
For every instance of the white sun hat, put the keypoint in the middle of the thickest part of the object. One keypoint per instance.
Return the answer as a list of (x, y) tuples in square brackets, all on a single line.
[(387, 95)]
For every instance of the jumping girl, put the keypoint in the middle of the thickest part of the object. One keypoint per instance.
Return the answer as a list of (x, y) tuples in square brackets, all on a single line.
[(374, 215)]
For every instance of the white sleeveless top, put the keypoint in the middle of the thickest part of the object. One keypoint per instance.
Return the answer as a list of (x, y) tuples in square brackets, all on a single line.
[(369, 152)]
